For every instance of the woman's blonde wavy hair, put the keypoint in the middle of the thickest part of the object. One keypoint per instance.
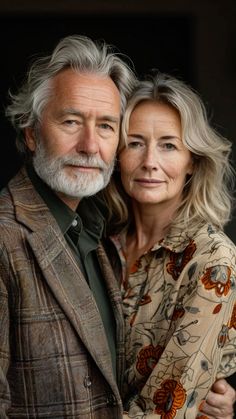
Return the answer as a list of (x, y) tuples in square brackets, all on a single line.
[(208, 194)]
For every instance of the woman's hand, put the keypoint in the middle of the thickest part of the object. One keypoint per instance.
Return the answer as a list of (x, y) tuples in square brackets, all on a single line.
[(220, 401)]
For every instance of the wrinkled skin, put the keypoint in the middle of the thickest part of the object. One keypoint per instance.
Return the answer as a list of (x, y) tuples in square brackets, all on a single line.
[(220, 401)]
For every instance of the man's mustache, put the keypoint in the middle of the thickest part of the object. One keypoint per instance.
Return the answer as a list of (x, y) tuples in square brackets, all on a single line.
[(85, 161)]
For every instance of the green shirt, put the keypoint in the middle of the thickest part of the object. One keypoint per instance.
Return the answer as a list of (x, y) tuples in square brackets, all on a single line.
[(83, 230)]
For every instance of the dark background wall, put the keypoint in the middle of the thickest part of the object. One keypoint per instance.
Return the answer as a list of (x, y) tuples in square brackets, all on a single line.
[(192, 40)]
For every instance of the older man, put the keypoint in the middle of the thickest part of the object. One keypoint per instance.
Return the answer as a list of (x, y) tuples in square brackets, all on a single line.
[(61, 324), (60, 312)]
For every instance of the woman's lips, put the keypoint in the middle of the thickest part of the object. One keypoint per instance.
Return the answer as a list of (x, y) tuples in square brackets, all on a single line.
[(150, 182), (144, 180)]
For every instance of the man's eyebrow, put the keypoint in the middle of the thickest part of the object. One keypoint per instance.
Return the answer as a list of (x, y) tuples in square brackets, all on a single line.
[(109, 118), (72, 111)]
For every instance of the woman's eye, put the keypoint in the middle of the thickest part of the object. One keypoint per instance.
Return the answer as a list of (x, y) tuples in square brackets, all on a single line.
[(169, 146), (134, 144)]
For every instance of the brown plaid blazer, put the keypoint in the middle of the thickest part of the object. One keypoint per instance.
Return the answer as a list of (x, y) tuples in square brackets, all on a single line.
[(54, 357)]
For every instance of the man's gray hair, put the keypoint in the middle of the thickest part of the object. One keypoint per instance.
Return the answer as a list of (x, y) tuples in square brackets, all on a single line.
[(82, 55)]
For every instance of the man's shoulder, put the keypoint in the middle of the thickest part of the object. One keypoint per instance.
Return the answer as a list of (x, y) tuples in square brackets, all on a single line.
[(6, 204), (14, 187), (20, 201)]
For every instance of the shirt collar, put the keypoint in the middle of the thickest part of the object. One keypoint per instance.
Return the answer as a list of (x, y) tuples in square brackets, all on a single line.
[(175, 241), (90, 211)]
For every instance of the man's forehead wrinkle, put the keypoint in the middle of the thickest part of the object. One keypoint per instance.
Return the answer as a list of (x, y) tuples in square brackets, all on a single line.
[(101, 96)]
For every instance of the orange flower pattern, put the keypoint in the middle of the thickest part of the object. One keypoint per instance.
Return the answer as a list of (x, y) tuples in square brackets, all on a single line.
[(232, 323), (217, 308), (217, 278), (179, 307), (179, 260), (169, 398), (147, 359)]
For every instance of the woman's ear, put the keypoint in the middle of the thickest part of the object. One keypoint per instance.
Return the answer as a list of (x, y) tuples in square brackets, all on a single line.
[(192, 166), (30, 138)]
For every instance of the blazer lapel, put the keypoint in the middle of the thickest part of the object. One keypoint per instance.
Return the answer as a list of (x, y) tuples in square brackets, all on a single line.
[(115, 297), (62, 273)]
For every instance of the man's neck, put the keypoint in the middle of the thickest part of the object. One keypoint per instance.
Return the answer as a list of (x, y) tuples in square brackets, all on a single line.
[(71, 202)]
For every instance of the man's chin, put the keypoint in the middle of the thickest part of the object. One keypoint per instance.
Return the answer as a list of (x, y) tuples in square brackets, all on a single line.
[(79, 193), (71, 184)]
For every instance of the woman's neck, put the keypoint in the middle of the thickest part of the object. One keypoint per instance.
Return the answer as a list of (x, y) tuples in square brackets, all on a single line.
[(150, 226)]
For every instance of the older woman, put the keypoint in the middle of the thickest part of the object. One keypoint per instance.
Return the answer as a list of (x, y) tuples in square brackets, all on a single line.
[(169, 201)]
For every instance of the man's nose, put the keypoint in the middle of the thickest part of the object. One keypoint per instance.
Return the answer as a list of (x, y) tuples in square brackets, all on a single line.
[(87, 140)]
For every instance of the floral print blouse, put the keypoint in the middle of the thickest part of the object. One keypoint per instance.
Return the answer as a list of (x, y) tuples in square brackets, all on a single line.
[(179, 305)]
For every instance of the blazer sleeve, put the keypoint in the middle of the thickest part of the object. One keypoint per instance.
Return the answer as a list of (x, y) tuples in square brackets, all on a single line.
[(4, 334)]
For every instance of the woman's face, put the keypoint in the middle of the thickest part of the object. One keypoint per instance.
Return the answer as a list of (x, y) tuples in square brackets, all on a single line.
[(155, 163)]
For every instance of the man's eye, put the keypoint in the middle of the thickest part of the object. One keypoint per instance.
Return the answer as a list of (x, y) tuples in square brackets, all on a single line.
[(169, 146), (69, 122), (106, 126)]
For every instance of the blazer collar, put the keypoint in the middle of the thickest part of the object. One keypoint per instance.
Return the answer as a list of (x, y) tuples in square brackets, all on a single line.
[(30, 209)]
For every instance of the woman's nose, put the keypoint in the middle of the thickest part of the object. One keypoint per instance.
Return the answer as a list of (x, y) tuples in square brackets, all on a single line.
[(150, 160)]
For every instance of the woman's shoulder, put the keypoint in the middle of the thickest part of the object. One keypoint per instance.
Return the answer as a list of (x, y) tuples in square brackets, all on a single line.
[(208, 233), (213, 244)]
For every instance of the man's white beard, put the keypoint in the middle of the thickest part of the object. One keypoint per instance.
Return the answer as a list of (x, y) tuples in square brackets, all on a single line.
[(77, 185)]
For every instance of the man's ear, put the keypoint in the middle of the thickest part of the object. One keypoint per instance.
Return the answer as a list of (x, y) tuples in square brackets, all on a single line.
[(30, 138)]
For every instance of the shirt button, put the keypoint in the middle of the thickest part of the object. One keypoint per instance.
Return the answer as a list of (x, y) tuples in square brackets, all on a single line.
[(87, 381), (74, 223), (111, 400)]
